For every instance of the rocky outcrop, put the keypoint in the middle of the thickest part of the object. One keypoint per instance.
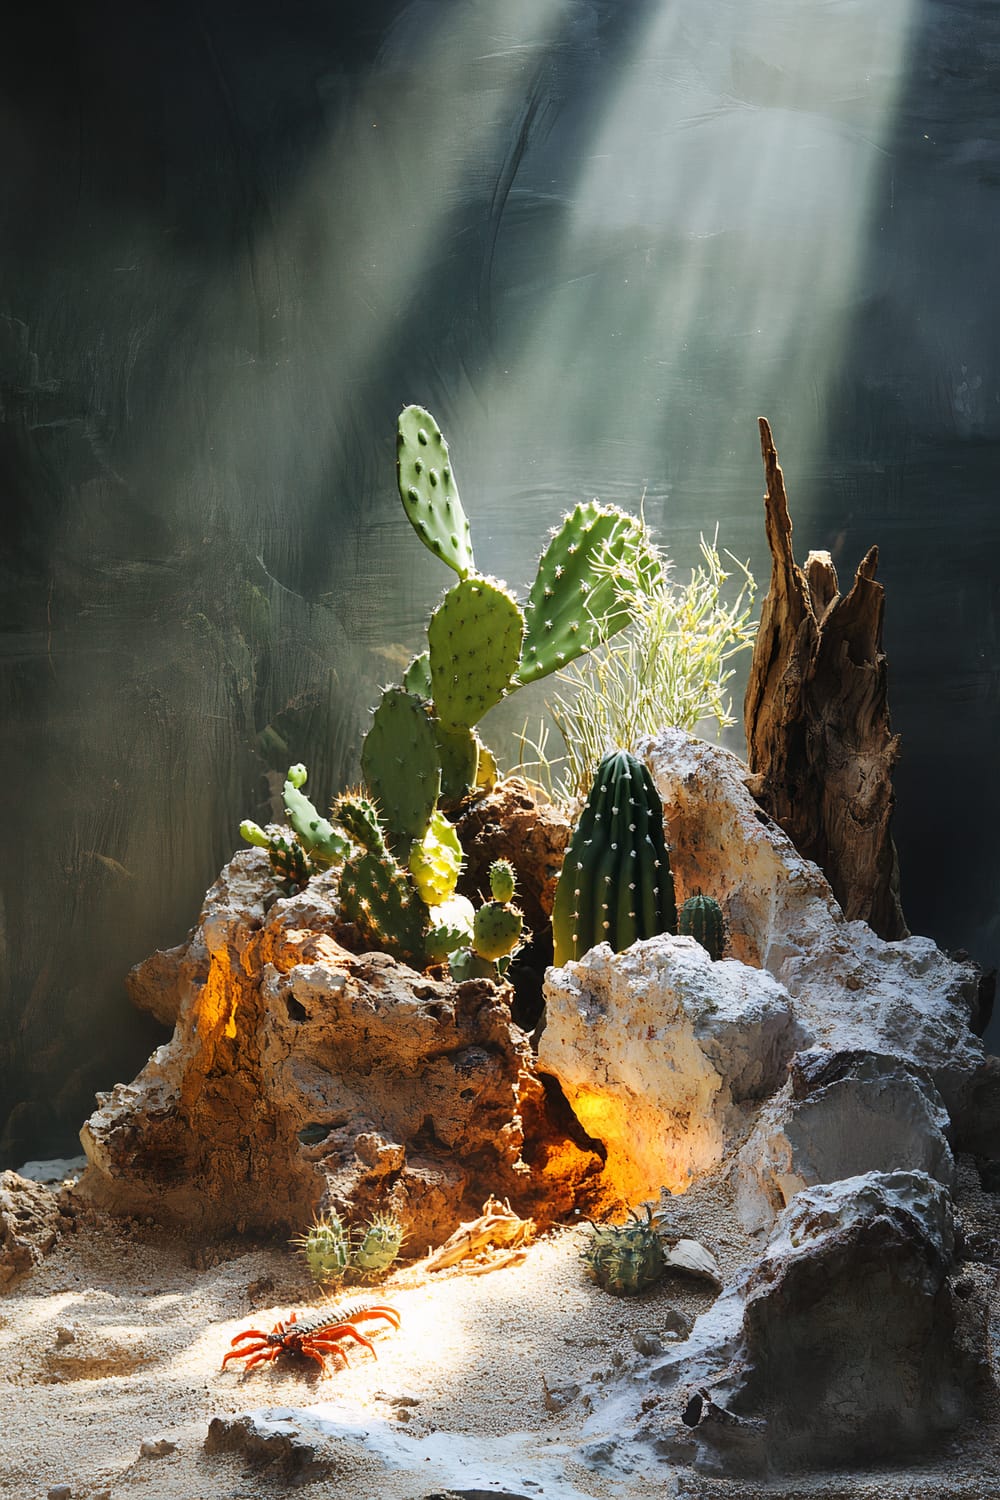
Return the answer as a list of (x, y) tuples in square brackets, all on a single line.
[(837, 1347), (32, 1217), (659, 1051), (840, 1115), (850, 989), (510, 824), (301, 1074)]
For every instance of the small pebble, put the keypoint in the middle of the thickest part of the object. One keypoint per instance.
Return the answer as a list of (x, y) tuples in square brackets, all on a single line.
[(647, 1343), (156, 1447)]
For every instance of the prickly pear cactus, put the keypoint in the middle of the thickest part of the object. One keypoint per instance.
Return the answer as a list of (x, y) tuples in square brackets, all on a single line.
[(399, 762), (499, 927), (616, 884), (435, 861), (450, 929), (417, 677), (326, 1248), (503, 880), (384, 906), (701, 918), (574, 602), (624, 1259), (376, 1245), (474, 639), (458, 754), (358, 816), (290, 865), (497, 930), (428, 491), (321, 841)]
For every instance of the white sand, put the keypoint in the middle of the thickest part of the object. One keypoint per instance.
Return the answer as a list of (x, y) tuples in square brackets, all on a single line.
[(117, 1338)]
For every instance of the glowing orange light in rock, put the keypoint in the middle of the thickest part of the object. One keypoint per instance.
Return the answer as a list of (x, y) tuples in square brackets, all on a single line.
[(647, 1151)]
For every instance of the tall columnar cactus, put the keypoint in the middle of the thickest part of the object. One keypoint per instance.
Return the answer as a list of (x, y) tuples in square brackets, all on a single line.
[(616, 884), (701, 918)]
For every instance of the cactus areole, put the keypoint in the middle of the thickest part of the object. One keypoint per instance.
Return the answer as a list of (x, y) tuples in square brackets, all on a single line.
[(616, 884)]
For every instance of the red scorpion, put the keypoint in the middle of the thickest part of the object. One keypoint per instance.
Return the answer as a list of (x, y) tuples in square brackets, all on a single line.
[(315, 1335)]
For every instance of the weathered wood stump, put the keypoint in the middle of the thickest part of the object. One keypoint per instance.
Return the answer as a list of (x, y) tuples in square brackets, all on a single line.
[(819, 743)]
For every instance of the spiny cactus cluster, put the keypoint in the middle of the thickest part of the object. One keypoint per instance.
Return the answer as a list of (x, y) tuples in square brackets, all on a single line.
[(616, 884), (333, 1252), (422, 757), (624, 1258)]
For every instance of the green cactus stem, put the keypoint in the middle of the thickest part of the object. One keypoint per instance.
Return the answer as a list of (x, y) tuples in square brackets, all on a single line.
[(376, 1245), (358, 816), (625, 1259), (435, 861), (575, 602), (320, 840), (503, 880), (474, 639), (417, 677), (616, 884), (701, 918), (497, 931), (326, 1248), (458, 754), (384, 906), (290, 865), (428, 491), (399, 762), (450, 929), (466, 964)]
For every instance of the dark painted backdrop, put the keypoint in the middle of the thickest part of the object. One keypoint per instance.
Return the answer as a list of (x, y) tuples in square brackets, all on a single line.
[(597, 239)]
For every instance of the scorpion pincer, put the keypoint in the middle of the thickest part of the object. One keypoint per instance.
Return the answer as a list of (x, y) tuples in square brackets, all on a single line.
[(318, 1334)]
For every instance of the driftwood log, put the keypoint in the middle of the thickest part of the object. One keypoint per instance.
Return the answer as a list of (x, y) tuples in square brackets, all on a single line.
[(819, 743)]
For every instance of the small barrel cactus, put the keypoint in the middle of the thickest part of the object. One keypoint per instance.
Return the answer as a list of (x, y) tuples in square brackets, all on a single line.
[(326, 1248), (376, 1245), (625, 1258), (701, 918), (616, 884)]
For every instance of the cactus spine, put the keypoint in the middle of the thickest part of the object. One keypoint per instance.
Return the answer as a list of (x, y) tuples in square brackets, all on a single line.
[(701, 918), (616, 884)]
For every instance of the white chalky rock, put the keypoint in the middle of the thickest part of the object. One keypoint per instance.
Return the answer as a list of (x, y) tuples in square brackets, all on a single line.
[(657, 1047), (840, 1115), (850, 989)]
